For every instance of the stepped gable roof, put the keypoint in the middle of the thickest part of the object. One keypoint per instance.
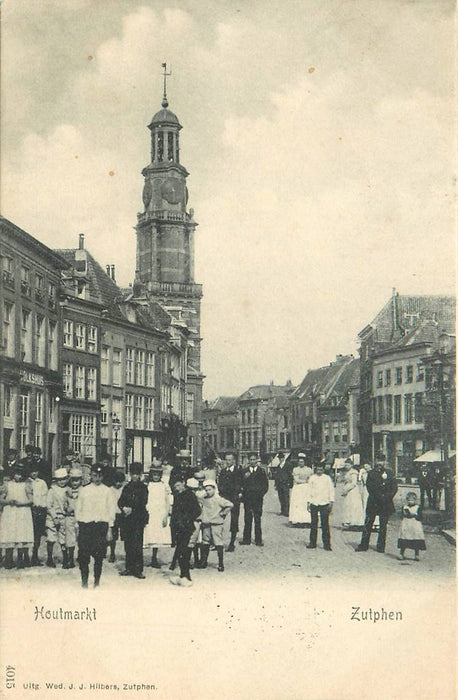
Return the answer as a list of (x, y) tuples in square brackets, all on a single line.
[(263, 392), (402, 312), (317, 381)]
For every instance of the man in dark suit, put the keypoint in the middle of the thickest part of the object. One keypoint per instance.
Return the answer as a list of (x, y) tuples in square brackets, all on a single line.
[(382, 487), (255, 487), (230, 484), (283, 483), (134, 516), (425, 483)]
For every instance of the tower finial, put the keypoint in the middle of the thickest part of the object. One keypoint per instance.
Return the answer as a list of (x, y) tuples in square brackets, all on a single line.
[(165, 102)]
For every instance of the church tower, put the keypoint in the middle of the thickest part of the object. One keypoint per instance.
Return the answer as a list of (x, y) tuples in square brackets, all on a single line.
[(165, 242)]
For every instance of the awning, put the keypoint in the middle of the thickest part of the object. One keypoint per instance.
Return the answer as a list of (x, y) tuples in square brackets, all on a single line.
[(434, 456)]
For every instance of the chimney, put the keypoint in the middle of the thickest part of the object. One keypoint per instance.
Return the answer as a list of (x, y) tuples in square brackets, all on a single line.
[(108, 270), (113, 276), (81, 241)]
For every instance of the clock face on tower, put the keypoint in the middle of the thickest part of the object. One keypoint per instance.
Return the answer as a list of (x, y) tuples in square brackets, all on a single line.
[(172, 190)]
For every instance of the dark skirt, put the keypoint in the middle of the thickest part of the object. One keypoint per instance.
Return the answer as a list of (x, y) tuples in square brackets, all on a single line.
[(412, 544)]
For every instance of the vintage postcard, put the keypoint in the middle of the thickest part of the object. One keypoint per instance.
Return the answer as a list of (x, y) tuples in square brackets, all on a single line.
[(227, 351)]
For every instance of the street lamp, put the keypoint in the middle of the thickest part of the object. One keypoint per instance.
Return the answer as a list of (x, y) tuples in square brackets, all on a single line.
[(116, 425)]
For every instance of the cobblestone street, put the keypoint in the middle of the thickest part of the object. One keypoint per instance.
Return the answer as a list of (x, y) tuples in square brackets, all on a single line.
[(284, 555)]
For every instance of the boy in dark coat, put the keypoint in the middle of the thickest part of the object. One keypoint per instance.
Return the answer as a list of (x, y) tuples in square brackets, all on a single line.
[(185, 512), (134, 517)]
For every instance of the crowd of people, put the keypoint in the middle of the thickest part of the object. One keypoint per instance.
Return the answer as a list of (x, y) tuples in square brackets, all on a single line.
[(88, 509)]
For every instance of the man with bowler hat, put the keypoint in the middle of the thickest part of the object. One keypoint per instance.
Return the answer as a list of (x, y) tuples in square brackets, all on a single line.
[(134, 517), (382, 487)]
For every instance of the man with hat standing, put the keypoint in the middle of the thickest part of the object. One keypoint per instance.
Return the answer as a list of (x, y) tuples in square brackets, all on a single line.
[(284, 482), (134, 517), (94, 513), (382, 486), (255, 487), (185, 514), (230, 484), (182, 470)]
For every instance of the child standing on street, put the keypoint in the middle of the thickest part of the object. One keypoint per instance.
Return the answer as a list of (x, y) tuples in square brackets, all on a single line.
[(16, 527), (39, 500), (411, 535), (214, 510), (157, 531), (55, 519), (73, 491)]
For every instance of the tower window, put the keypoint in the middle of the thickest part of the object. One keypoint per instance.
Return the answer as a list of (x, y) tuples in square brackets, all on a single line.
[(170, 146), (160, 146)]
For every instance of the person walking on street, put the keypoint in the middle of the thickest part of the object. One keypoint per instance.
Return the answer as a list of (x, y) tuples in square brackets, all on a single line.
[(255, 487), (185, 513), (94, 513), (230, 484), (320, 501), (382, 487), (55, 518), (134, 514), (283, 483)]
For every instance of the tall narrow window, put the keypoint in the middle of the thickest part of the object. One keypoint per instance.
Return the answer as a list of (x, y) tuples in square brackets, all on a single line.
[(80, 381), (130, 365), (92, 339), (91, 383), (8, 328), (23, 420), (26, 336), (40, 341), (68, 333), (150, 369), (139, 412), (189, 407), (104, 362), (80, 336), (140, 367), (117, 370), (68, 379), (149, 413), (129, 411), (39, 419), (7, 401), (408, 408), (52, 346)]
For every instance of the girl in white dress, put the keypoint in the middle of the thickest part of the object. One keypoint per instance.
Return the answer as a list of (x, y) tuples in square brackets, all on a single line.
[(298, 513), (411, 535), (16, 524), (353, 512), (157, 531)]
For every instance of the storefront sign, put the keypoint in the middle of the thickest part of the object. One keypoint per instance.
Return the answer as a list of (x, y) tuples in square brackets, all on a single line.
[(31, 378)]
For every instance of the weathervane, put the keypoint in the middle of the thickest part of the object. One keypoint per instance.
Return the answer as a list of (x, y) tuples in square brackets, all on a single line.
[(164, 99)]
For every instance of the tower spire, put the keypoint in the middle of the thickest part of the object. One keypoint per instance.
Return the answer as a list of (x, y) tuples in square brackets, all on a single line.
[(165, 102)]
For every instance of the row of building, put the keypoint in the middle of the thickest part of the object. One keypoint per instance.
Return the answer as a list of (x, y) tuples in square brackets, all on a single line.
[(396, 399), (91, 367)]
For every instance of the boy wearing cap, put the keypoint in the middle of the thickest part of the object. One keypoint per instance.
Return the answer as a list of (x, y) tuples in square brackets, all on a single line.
[(39, 504), (214, 511), (94, 513), (73, 492), (134, 514), (56, 504)]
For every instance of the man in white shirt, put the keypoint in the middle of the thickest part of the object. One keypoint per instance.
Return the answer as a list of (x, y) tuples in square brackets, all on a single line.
[(321, 500), (94, 513)]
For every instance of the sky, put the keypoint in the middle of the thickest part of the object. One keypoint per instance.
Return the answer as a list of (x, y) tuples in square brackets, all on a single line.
[(319, 137)]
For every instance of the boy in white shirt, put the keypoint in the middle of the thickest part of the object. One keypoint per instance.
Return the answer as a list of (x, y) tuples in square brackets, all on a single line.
[(321, 500)]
